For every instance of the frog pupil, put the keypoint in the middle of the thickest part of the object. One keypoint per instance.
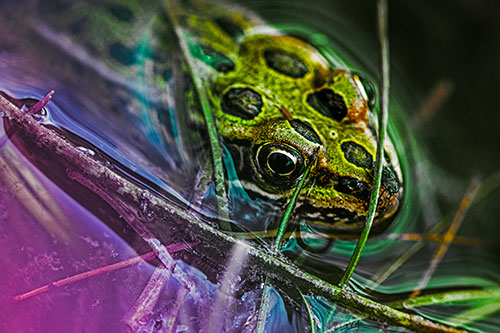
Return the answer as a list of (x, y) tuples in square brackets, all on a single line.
[(281, 163)]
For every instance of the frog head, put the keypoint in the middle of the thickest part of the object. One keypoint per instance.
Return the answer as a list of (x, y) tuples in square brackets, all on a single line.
[(282, 109)]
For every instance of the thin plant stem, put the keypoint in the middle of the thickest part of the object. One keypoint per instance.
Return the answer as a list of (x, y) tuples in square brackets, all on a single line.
[(264, 303), (310, 312), (391, 267), (382, 120), (106, 269), (288, 211), (451, 297)]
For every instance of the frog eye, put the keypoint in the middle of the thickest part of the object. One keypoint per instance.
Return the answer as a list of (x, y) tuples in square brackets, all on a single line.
[(242, 102), (328, 103), (279, 163), (285, 63)]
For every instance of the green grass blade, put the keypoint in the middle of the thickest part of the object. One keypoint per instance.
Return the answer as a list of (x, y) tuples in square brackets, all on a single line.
[(382, 120), (452, 297), (288, 210), (264, 303), (310, 312)]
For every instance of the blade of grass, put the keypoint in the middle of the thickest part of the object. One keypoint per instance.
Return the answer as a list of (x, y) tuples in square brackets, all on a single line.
[(489, 185), (433, 102), (449, 297), (382, 120), (264, 303), (288, 211), (310, 312)]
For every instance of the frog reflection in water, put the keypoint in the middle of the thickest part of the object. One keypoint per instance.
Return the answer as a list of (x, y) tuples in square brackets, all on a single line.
[(279, 106)]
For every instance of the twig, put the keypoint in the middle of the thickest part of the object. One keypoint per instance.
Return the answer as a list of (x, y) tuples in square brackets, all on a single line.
[(106, 269), (431, 105)]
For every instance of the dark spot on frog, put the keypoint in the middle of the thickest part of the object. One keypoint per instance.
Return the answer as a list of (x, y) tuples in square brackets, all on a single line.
[(120, 12), (306, 130), (229, 26), (242, 102), (390, 181), (328, 103), (357, 154), (285, 63), (353, 186), (123, 54)]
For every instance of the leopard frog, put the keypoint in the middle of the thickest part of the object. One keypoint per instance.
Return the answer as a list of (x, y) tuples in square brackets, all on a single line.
[(279, 106)]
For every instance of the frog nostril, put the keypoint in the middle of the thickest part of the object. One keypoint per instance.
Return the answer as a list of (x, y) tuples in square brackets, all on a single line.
[(328, 103)]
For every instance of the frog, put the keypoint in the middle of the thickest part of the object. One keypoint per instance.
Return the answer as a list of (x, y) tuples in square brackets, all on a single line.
[(280, 107)]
